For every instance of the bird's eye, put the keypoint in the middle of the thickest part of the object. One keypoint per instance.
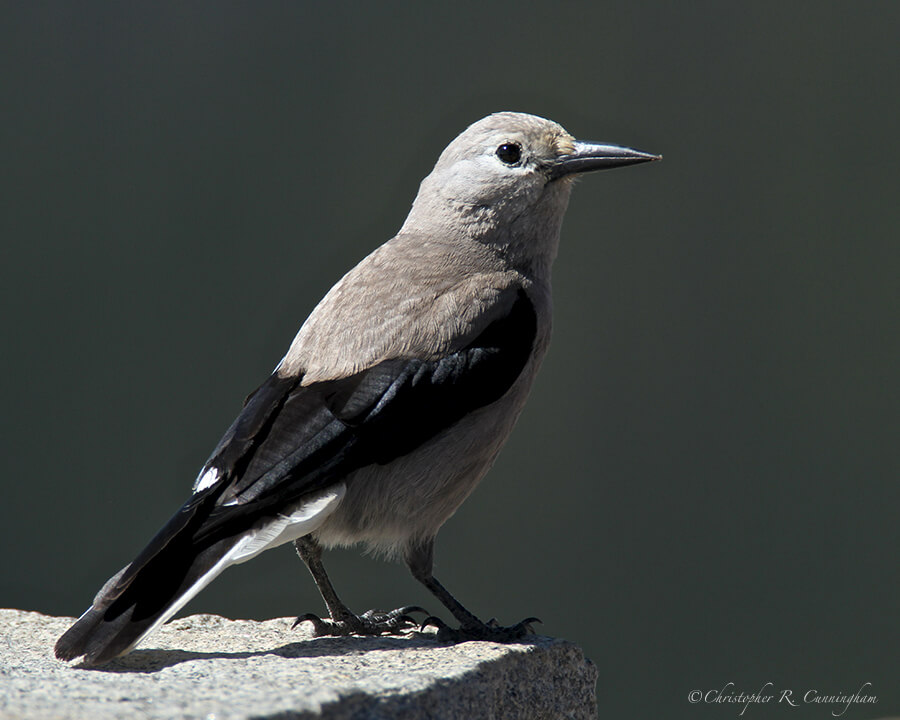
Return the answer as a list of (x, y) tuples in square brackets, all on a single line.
[(509, 153)]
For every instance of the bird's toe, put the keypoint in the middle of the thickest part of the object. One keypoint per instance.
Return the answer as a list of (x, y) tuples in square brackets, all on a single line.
[(490, 631), (371, 622)]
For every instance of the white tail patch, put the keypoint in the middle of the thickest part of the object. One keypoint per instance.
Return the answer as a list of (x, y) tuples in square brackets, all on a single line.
[(303, 520)]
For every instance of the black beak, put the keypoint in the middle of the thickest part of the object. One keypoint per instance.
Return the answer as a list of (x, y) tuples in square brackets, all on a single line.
[(589, 156)]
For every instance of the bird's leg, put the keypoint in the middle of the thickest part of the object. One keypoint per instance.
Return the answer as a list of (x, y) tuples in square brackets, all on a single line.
[(342, 620), (420, 559), (310, 553)]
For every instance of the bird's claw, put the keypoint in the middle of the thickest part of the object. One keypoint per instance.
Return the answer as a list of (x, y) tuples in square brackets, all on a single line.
[(371, 622), (435, 621), (490, 631)]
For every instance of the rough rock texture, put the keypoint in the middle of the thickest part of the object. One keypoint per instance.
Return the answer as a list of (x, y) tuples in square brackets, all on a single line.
[(212, 668)]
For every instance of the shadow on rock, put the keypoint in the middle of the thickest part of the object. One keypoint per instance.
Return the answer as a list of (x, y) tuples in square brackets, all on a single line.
[(151, 660)]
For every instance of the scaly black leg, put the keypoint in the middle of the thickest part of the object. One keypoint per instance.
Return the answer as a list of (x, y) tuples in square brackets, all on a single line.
[(342, 621), (420, 559)]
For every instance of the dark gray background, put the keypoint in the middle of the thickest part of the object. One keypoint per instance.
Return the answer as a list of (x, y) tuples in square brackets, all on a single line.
[(703, 488)]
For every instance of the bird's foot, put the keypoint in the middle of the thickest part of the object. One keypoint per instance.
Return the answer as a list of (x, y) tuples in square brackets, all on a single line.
[(371, 622), (491, 631)]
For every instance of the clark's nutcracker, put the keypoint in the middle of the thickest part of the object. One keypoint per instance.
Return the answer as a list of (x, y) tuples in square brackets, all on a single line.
[(392, 401)]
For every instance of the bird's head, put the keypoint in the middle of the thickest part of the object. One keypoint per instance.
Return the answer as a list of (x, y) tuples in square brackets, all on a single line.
[(509, 175)]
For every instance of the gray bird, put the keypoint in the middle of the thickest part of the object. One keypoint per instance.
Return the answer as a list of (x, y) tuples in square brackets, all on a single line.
[(392, 401)]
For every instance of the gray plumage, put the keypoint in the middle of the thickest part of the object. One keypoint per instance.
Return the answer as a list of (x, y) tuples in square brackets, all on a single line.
[(391, 403)]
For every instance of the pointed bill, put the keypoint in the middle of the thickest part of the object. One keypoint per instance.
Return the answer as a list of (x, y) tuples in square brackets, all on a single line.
[(589, 156)]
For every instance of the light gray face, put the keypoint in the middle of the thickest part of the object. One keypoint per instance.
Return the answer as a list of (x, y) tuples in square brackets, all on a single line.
[(502, 159), (510, 159)]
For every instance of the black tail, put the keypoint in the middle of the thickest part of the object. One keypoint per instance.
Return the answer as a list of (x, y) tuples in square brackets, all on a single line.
[(176, 565)]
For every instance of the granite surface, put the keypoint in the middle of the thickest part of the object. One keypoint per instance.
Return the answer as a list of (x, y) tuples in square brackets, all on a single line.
[(211, 668)]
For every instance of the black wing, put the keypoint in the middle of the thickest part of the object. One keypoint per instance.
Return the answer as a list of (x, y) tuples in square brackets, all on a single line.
[(291, 440)]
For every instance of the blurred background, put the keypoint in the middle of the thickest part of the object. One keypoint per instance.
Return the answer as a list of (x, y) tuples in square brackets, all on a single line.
[(703, 488)]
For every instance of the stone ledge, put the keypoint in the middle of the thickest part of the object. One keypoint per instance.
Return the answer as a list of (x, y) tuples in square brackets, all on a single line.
[(211, 668)]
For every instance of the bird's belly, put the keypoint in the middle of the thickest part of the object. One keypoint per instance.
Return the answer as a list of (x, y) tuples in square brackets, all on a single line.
[(388, 506)]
